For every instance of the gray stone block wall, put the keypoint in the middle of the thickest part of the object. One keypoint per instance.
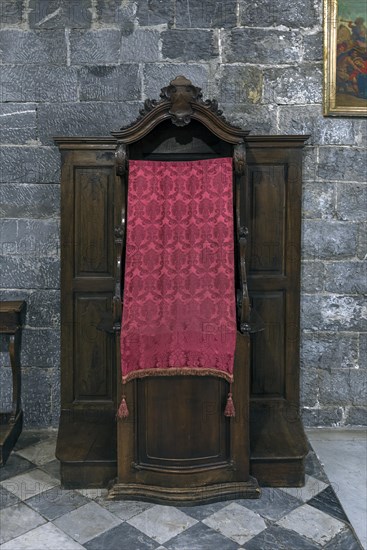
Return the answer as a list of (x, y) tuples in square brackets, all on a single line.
[(84, 67)]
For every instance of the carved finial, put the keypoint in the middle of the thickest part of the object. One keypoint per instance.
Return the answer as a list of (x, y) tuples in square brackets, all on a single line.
[(180, 93)]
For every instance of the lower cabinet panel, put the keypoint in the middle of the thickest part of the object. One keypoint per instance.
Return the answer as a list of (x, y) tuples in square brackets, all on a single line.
[(93, 350)]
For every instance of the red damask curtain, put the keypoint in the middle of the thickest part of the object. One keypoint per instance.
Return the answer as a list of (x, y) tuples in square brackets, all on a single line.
[(179, 314)]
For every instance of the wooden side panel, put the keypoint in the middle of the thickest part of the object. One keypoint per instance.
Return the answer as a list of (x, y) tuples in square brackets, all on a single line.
[(268, 346), (93, 349), (267, 228), (93, 250), (273, 211), (273, 214), (90, 196)]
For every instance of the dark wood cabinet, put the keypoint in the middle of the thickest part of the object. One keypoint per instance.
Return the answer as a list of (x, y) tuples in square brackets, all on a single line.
[(90, 198), (273, 213), (89, 440)]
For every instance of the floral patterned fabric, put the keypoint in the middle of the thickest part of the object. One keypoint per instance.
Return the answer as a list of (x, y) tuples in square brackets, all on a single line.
[(179, 314)]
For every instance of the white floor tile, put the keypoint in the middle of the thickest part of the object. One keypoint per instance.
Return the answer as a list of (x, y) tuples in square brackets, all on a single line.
[(16, 520), (29, 484), (343, 453), (161, 523), (124, 509), (93, 493), (312, 524), (236, 522), (41, 453), (311, 488), (87, 522), (46, 537)]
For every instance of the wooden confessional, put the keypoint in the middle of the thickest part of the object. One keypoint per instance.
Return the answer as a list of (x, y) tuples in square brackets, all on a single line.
[(184, 450)]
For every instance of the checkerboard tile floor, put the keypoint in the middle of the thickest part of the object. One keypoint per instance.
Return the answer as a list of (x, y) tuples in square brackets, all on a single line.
[(36, 514)]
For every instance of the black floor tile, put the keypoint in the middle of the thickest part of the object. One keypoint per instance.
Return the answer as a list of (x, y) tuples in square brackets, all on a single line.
[(28, 438), (203, 511), (52, 468), (14, 466), (200, 537), (346, 540), (56, 502), (7, 498), (277, 538), (122, 537), (314, 468), (328, 502), (273, 503)]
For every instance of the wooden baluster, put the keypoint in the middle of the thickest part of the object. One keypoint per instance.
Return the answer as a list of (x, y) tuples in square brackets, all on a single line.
[(243, 302), (121, 170)]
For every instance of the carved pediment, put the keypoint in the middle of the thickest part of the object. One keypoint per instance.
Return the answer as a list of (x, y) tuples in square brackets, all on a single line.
[(181, 101)]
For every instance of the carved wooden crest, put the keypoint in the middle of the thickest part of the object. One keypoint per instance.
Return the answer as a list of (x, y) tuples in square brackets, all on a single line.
[(181, 101), (180, 93)]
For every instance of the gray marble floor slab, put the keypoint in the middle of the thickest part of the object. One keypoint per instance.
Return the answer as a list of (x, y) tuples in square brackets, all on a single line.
[(200, 537), (124, 509), (40, 453), (202, 512), (15, 465), (161, 523), (7, 498), (327, 501), (312, 524), (343, 453), (16, 520), (51, 518), (56, 502), (313, 467), (46, 537), (30, 437), (122, 537), (236, 522), (52, 468), (273, 504), (311, 488), (87, 522), (277, 538), (343, 541), (93, 494), (29, 484)]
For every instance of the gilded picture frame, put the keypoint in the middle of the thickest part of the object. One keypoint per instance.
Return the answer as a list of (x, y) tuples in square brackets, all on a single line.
[(345, 58)]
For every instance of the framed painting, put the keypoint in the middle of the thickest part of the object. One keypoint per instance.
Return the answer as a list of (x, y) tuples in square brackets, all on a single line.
[(345, 58)]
